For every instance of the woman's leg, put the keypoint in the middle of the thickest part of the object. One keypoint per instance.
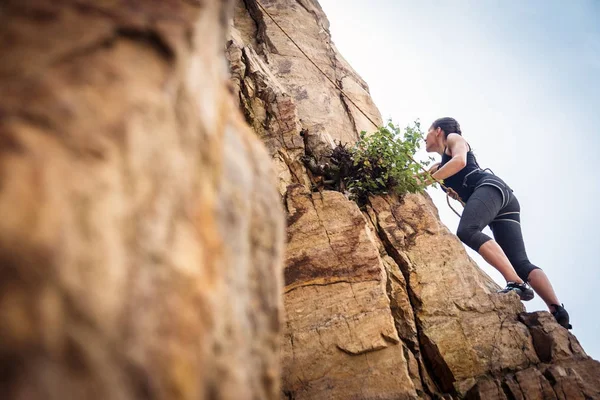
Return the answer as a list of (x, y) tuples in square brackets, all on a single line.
[(481, 208), (542, 286), (495, 256), (507, 232)]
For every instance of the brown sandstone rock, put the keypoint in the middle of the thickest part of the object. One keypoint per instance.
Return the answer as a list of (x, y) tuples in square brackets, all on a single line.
[(141, 233), (387, 304), (339, 324), (320, 107), (552, 342), (269, 110), (466, 329)]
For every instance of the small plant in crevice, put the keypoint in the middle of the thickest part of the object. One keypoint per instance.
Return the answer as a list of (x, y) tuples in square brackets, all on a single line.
[(382, 162), (378, 163)]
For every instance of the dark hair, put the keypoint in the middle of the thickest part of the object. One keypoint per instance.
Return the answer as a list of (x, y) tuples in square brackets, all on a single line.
[(448, 125)]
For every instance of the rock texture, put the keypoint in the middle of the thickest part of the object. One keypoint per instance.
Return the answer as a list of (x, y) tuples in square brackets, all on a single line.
[(141, 232), (383, 302), (339, 324)]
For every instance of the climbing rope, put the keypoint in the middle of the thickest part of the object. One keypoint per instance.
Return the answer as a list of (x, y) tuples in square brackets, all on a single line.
[(450, 205), (448, 190)]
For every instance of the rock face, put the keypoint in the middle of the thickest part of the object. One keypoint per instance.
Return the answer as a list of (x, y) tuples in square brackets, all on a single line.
[(381, 303), (142, 234)]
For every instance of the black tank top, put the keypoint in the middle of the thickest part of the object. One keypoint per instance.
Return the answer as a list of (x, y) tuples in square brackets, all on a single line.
[(465, 180)]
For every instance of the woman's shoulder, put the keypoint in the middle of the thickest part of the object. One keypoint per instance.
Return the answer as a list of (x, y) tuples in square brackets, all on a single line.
[(456, 138)]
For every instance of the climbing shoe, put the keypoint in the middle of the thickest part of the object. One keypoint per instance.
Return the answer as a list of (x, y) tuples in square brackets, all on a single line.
[(561, 315), (522, 289)]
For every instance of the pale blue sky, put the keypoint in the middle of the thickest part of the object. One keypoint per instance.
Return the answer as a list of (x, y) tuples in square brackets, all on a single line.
[(523, 80)]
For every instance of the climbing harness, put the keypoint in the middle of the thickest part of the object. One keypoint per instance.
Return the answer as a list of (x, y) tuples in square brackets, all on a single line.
[(449, 191)]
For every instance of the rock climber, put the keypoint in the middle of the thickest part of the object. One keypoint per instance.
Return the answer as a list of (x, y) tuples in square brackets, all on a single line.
[(489, 201)]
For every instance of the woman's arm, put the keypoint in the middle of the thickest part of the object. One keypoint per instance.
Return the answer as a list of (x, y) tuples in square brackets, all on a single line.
[(459, 149)]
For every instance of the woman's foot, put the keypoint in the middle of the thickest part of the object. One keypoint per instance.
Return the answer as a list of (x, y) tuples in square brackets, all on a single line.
[(522, 289), (561, 315)]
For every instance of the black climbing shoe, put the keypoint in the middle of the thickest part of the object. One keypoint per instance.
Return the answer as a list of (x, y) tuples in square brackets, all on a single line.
[(562, 316), (522, 289)]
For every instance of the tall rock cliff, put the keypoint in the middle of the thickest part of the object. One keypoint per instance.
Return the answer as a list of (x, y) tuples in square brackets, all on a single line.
[(141, 232), (384, 302)]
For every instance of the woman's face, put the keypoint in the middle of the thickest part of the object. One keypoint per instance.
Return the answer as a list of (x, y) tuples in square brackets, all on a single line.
[(431, 140)]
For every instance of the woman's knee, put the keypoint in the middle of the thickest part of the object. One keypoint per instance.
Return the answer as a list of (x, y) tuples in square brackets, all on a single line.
[(472, 236), (524, 269), (465, 233)]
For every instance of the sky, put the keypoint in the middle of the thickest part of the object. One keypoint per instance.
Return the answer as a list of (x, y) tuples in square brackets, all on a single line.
[(523, 81)]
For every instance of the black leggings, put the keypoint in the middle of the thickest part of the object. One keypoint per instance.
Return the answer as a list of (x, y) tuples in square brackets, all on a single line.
[(485, 207)]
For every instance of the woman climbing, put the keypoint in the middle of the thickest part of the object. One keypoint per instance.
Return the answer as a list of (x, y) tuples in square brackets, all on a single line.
[(489, 201)]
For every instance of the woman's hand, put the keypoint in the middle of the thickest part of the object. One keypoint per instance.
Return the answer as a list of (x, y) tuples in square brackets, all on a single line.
[(433, 169), (424, 178)]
